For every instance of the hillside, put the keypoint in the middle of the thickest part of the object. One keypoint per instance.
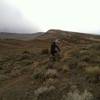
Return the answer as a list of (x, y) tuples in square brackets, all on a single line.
[(27, 73), (61, 34), (19, 36)]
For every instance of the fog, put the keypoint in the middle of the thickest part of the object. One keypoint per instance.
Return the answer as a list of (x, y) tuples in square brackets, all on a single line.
[(29, 16), (12, 20)]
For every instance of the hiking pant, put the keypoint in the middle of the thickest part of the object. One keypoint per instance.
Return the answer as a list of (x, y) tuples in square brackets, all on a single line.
[(56, 56)]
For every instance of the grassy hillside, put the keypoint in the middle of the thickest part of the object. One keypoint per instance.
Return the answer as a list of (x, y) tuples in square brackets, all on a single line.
[(27, 73), (19, 36)]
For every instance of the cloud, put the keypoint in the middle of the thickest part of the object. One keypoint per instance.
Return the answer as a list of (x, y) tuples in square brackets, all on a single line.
[(71, 15), (12, 19)]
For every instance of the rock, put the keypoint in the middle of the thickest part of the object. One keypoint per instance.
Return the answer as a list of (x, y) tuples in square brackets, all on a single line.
[(74, 94), (47, 93), (87, 95), (40, 90), (51, 73), (43, 90), (65, 69), (50, 81)]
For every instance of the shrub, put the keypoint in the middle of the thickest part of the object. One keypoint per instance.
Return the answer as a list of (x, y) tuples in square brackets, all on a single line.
[(75, 95), (51, 73), (95, 46), (3, 77), (38, 74), (26, 52), (47, 93), (94, 73), (86, 58), (26, 62), (45, 51), (82, 64), (72, 63), (93, 70), (43, 89), (64, 68)]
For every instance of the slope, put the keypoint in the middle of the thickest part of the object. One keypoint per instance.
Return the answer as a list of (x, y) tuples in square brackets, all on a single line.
[(30, 75)]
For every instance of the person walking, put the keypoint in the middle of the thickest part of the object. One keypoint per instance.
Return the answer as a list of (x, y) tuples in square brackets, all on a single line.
[(55, 50)]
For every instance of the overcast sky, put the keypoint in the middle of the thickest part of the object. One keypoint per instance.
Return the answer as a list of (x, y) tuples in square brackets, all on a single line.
[(40, 15)]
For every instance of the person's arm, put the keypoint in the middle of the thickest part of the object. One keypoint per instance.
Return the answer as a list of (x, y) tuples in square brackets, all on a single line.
[(58, 48)]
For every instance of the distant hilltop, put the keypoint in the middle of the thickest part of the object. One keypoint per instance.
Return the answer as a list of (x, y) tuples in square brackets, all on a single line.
[(55, 33), (19, 36), (50, 34)]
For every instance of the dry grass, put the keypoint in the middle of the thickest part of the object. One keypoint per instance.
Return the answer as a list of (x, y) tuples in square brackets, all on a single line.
[(31, 59), (45, 51), (75, 95), (93, 70)]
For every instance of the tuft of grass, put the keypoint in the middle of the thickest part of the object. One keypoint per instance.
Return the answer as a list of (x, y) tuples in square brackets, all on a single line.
[(26, 52), (93, 73), (45, 51), (38, 75), (93, 70), (86, 95), (51, 73)]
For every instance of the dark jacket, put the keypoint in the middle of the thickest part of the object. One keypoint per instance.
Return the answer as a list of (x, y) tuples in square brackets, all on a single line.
[(54, 48)]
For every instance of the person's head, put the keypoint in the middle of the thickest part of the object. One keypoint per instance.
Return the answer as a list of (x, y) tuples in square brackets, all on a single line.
[(57, 41)]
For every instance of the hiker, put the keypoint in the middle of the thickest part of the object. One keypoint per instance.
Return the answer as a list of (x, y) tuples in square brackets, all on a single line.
[(55, 50)]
